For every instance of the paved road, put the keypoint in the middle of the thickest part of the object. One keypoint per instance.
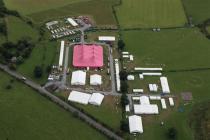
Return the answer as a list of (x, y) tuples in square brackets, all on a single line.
[(60, 102)]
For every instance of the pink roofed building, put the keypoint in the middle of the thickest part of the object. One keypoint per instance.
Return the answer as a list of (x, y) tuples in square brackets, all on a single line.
[(88, 56)]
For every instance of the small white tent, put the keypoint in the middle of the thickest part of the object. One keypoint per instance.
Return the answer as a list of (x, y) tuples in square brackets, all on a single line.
[(96, 99), (135, 124), (95, 79), (78, 78)]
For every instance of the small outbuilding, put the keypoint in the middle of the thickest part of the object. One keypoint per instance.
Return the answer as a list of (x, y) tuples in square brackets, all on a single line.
[(135, 124)]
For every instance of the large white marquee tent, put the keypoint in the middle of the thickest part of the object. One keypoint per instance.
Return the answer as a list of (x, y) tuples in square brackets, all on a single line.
[(79, 97), (95, 79), (135, 124), (96, 99), (78, 78)]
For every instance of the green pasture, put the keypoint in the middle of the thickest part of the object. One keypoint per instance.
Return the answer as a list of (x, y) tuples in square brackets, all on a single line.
[(151, 13), (26, 7), (25, 114), (198, 10)]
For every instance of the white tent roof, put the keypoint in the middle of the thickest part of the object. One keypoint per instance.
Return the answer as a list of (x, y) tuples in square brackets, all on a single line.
[(135, 124), (144, 100), (106, 38), (146, 109), (127, 108), (61, 53), (79, 97), (78, 78), (154, 97), (138, 90), (72, 22), (164, 85), (171, 101), (163, 103), (148, 69), (96, 99), (95, 79)]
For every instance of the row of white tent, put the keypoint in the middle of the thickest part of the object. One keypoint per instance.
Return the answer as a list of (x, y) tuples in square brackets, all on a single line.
[(72, 22), (79, 78), (127, 55), (85, 98)]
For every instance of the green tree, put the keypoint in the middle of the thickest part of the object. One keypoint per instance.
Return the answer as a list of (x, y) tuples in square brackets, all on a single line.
[(124, 87), (121, 44), (123, 75), (172, 133), (38, 71)]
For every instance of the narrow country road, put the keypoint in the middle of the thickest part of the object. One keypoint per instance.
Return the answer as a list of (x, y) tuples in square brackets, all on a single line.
[(63, 104)]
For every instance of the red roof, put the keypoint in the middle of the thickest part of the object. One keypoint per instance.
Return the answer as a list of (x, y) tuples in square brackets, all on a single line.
[(88, 56)]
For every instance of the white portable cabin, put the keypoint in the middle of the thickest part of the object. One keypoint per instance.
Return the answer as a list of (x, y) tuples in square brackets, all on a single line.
[(127, 108), (79, 97), (130, 77), (106, 38), (136, 98), (131, 57), (151, 74), (164, 85), (146, 109), (154, 97), (141, 76), (125, 56), (153, 87), (138, 90), (147, 69), (96, 99), (135, 124), (61, 53), (125, 53), (171, 101), (78, 78), (163, 103)]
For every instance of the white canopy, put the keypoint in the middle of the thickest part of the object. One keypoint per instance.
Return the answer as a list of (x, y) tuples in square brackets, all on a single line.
[(135, 124), (164, 85), (95, 79), (148, 69), (79, 97), (130, 77), (163, 103), (144, 100), (146, 109), (78, 78), (61, 53), (96, 99), (171, 101)]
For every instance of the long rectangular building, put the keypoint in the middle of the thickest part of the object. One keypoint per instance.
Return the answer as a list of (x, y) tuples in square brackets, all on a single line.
[(164, 85), (61, 53)]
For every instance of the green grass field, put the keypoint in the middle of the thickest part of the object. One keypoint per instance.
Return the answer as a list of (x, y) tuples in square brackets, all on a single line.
[(208, 29), (26, 7), (25, 114), (18, 29), (151, 13), (170, 49), (173, 49), (198, 10), (102, 13)]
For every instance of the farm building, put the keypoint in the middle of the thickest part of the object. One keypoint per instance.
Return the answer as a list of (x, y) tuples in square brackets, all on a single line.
[(96, 99), (135, 124), (78, 78), (79, 97), (106, 38), (95, 80), (88, 56)]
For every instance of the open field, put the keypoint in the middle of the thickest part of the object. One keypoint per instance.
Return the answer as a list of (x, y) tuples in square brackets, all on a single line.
[(198, 10), (44, 54), (102, 13), (151, 13), (17, 29), (171, 49), (26, 7), (27, 115), (208, 29)]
